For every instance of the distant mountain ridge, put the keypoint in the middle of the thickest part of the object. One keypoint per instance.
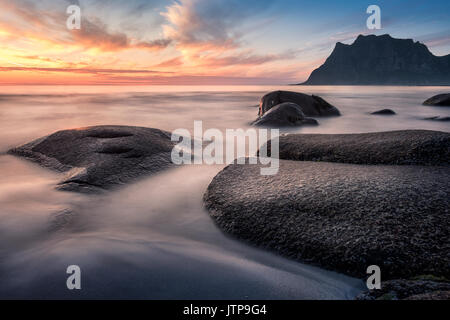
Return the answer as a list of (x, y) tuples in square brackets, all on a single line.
[(382, 60)]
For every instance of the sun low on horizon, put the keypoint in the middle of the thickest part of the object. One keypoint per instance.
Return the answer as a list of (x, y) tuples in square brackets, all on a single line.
[(199, 42)]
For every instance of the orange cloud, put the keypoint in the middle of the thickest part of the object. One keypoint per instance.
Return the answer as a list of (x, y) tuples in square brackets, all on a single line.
[(199, 40), (96, 35), (50, 27), (79, 70), (175, 62)]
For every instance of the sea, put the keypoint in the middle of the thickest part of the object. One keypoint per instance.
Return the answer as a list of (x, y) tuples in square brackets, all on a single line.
[(153, 239)]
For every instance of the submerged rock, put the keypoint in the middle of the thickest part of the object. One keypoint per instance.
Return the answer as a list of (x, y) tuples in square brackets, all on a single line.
[(311, 106), (384, 112), (413, 147), (438, 100), (438, 118), (101, 157), (284, 115), (343, 217)]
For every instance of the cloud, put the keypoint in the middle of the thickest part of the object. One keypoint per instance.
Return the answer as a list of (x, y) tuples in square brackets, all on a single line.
[(208, 33), (154, 44), (347, 36), (174, 62), (95, 35), (197, 23), (82, 70), (436, 39), (247, 59), (191, 80), (49, 25), (206, 38), (209, 24), (438, 42)]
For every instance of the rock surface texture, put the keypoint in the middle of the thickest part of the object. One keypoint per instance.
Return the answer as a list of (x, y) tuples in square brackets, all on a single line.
[(284, 115), (311, 106), (391, 209), (288, 109), (406, 147), (101, 157), (409, 290), (438, 100)]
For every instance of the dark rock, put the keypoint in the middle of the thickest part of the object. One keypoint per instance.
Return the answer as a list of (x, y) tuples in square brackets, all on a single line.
[(406, 147), (438, 100), (434, 295), (437, 118), (384, 112), (382, 60), (400, 289), (284, 115), (344, 217), (101, 157), (311, 106)]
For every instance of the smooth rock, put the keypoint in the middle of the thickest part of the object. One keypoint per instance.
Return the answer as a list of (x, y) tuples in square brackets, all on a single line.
[(384, 112), (406, 147), (344, 217), (101, 157), (285, 114), (311, 106), (438, 100), (438, 118)]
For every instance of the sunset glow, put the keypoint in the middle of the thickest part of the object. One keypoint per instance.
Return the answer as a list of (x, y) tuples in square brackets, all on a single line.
[(192, 41)]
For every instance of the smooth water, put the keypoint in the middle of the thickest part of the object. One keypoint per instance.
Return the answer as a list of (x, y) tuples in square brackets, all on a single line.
[(153, 239)]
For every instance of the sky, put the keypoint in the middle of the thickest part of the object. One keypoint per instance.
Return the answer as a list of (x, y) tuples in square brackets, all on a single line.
[(196, 42)]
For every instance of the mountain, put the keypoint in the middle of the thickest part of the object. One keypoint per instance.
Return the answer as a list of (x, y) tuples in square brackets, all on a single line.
[(382, 60)]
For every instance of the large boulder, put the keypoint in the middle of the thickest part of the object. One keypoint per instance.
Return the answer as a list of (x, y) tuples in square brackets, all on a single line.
[(343, 217), (284, 115), (410, 147), (438, 100), (388, 205), (101, 157), (311, 106)]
